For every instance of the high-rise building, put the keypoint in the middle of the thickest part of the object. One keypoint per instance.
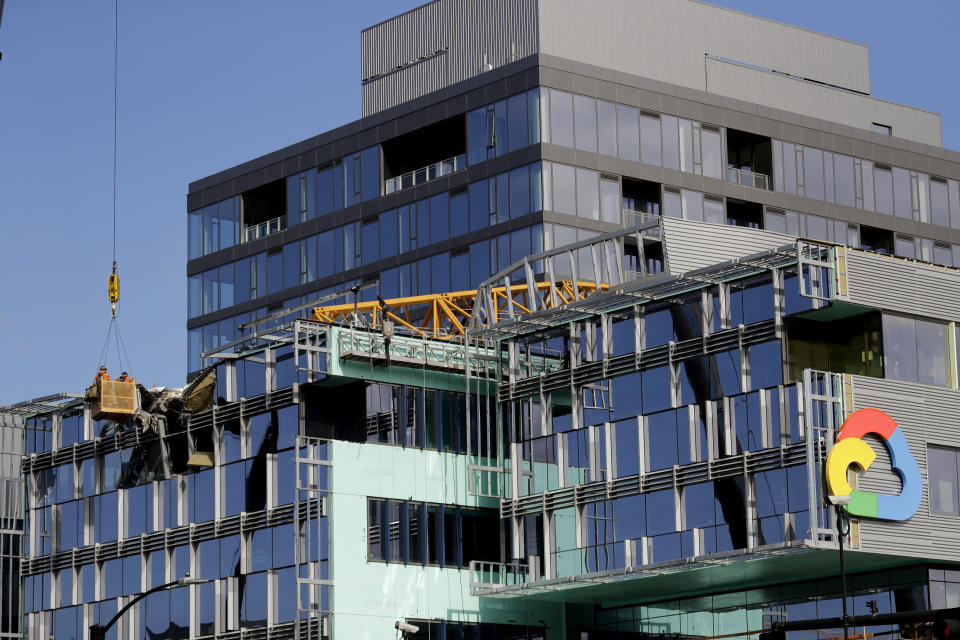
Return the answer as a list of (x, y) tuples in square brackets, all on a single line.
[(624, 287)]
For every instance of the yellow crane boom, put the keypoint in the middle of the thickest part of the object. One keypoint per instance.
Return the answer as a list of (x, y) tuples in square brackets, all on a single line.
[(445, 315)]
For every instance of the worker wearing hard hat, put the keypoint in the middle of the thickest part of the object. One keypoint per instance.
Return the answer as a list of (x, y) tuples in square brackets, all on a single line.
[(123, 377), (101, 375)]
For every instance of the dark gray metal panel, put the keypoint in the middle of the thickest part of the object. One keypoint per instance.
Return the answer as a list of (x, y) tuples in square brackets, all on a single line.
[(927, 415), (904, 286), (693, 245)]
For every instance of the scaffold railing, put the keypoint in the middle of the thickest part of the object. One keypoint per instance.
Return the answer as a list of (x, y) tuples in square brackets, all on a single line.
[(311, 559), (825, 397)]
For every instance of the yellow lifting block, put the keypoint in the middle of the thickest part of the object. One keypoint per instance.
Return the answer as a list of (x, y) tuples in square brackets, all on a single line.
[(113, 400)]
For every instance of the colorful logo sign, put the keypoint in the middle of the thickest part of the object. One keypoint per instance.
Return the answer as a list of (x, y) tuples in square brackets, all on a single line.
[(851, 449)]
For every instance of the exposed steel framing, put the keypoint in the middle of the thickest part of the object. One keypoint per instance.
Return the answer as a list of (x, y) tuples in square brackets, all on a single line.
[(446, 315)]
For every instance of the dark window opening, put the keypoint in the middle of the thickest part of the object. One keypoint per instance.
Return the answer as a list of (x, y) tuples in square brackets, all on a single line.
[(264, 203), (642, 196), (874, 239), (425, 146), (749, 159), (653, 257), (744, 214), (841, 338)]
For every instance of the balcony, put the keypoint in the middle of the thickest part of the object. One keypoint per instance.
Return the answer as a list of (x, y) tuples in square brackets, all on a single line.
[(633, 218), (489, 576), (748, 178), (264, 229), (425, 174)]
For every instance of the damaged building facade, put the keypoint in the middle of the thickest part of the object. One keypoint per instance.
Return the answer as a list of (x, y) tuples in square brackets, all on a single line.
[(602, 312)]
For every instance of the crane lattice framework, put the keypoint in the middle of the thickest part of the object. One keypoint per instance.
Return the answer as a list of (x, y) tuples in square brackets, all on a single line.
[(550, 279), (447, 315)]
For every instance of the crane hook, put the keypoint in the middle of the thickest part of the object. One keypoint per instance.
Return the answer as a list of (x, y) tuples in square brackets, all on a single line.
[(113, 290)]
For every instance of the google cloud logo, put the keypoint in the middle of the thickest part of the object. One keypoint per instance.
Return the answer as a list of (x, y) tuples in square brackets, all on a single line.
[(851, 449)]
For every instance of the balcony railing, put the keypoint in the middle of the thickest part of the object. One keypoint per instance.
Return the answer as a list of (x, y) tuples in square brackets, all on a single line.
[(633, 218), (254, 231), (748, 178), (486, 576), (425, 174)]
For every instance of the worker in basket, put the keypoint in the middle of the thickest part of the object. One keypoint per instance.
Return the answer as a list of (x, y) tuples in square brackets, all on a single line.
[(101, 375), (124, 377)]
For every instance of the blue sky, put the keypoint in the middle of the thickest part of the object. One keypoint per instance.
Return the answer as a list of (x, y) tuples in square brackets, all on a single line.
[(207, 85)]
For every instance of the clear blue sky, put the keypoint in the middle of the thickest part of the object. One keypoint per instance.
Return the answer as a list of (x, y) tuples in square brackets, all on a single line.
[(207, 85)]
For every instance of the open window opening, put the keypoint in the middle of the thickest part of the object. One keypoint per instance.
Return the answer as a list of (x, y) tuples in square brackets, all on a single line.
[(263, 210), (749, 159), (744, 214), (425, 154), (640, 199), (841, 338), (874, 239)]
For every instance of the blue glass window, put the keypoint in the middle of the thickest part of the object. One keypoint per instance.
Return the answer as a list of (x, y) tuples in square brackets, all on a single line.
[(211, 236), (479, 263), (227, 286), (661, 512), (194, 235), (370, 159), (325, 254), (258, 276), (519, 192), (766, 364), (627, 448), (479, 205), (388, 234), (194, 297), (658, 328), (662, 440), (698, 502), (517, 121), (655, 389), (211, 301), (370, 234), (326, 202), (229, 214), (274, 272), (477, 135)]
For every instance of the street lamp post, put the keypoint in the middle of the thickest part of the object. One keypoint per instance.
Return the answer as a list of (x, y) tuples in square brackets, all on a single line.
[(99, 631), (838, 503)]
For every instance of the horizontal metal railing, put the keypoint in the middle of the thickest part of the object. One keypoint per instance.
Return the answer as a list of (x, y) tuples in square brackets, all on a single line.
[(748, 178), (425, 174), (632, 218), (254, 231), (490, 575)]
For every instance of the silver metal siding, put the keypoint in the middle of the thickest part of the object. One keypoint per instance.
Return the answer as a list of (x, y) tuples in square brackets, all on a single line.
[(402, 39), (495, 32), (818, 101), (903, 286), (927, 415), (693, 245), (667, 39), (406, 84)]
